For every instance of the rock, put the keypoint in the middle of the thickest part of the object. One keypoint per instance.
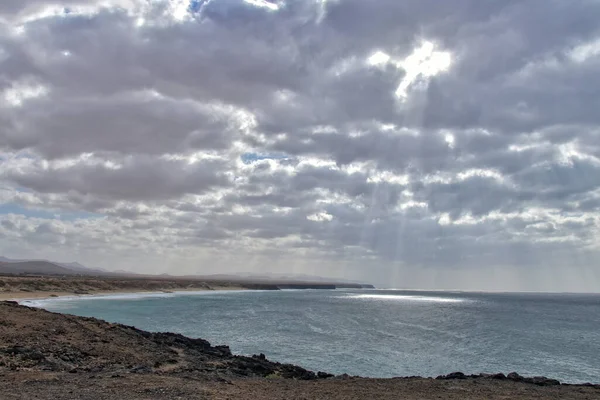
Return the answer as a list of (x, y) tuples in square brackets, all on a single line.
[(499, 376), (453, 375), (513, 376), (295, 372), (542, 381), (25, 353), (324, 375), (141, 369)]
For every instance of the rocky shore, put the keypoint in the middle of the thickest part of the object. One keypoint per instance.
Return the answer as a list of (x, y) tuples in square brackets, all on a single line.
[(46, 355)]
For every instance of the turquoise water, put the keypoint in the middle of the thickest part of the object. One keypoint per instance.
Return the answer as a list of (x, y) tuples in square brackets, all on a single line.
[(377, 333)]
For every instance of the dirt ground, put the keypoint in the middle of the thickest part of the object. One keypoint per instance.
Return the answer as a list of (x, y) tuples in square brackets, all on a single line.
[(45, 385)]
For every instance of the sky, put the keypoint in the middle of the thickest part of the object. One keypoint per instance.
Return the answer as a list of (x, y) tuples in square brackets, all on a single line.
[(405, 143)]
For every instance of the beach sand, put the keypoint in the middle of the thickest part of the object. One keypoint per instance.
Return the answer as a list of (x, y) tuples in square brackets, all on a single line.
[(34, 288), (21, 296)]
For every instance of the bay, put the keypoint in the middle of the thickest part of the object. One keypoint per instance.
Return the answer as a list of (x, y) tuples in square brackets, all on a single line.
[(376, 333)]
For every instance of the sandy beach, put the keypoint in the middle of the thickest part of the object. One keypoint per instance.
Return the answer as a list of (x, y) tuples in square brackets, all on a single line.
[(22, 296), (21, 288)]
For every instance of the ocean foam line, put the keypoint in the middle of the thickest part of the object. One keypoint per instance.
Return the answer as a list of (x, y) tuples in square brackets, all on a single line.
[(399, 297), (40, 303)]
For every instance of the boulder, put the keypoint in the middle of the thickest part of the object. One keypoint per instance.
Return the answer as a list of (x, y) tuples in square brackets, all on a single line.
[(453, 375)]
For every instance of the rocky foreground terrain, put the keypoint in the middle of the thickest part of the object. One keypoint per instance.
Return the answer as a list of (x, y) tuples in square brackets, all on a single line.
[(46, 355)]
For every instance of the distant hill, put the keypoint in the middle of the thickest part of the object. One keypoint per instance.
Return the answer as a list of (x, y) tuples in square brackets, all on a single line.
[(34, 268), (75, 266), (289, 281), (43, 267)]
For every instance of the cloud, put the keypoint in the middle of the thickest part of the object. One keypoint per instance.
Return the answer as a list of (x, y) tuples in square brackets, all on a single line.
[(407, 143), (144, 122), (134, 178)]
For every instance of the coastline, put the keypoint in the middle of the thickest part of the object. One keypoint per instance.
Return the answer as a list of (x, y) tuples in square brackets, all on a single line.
[(37, 287), (42, 295), (48, 355)]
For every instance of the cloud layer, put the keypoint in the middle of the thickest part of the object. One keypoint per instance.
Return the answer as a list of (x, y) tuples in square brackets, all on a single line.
[(411, 144)]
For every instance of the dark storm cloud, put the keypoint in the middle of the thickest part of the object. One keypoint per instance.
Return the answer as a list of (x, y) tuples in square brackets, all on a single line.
[(138, 123), (137, 178), (194, 128)]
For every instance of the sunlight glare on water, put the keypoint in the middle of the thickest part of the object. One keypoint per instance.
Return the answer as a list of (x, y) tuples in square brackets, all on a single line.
[(405, 298)]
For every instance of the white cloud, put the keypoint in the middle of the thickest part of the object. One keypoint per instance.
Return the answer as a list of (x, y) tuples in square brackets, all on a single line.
[(320, 217), (263, 4), (424, 62), (378, 58), (21, 92), (583, 52)]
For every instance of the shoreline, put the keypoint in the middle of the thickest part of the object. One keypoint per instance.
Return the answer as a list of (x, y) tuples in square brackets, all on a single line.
[(42, 295), (37, 287), (48, 355)]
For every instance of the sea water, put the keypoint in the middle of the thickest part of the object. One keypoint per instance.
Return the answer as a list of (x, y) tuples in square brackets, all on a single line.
[(377, 333)]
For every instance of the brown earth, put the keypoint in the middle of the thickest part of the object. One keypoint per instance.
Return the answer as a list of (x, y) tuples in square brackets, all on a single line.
[(46, 355), (36, 286), (19, 287)]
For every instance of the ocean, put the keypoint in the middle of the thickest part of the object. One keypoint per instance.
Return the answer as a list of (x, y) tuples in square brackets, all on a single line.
[(376, 333)]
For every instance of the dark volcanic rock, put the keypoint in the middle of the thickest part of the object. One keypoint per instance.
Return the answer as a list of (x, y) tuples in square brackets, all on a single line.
[(513, 376), (541, 381), (257, 366), (324, 375), (453, 375), (293, 371), (177, 340)]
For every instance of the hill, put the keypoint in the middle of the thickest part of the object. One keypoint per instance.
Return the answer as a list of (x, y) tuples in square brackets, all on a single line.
[(17, 264), (34, 268), (75, 266), (281, 281)]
